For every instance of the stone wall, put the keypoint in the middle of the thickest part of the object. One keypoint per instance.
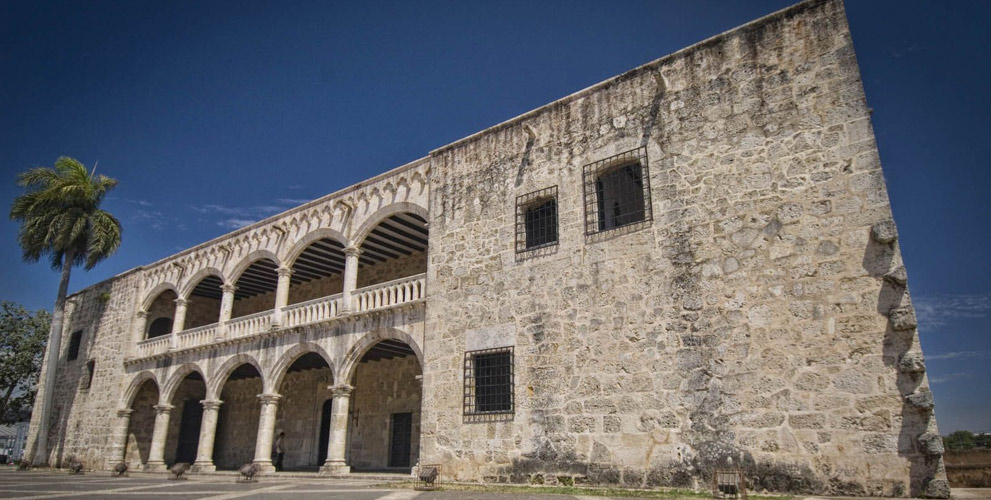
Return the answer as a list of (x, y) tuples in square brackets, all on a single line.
[(237, 423), (189, 392), (744, 325), (202, 311), (303, 396), (141, 425), (393, 269), (162, 307), (382, 388)]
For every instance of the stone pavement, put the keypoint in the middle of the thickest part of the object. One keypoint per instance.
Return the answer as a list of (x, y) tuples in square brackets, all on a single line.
[(58, 484)]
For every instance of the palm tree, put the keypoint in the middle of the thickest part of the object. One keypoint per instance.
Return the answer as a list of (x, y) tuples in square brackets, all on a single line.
[(61, 219)]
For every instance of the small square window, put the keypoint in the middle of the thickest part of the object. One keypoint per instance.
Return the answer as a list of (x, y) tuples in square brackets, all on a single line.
[(489, 381), (617, 192), (536, 220), (74, 340)]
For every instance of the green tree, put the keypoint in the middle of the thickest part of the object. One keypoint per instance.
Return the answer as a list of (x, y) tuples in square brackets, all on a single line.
[(61, 219), (22, 345), (959, 440)]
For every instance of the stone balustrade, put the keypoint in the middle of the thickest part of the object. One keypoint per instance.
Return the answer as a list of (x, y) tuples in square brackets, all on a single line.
[(369, 298), (311, 311), (249, 325), (390, 293)]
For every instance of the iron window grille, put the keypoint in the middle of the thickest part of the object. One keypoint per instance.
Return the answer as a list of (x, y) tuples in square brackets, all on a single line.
[(617, 192), (489, 381), (536, 220), (74, 341)]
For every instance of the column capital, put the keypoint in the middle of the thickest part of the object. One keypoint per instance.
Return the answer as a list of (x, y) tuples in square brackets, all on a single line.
[(143, 314), (284, 271), (269, 399), (211, 404), (124, 413), (352, 251), (341, 390), (163, 409), (226, 288), (181, 302)]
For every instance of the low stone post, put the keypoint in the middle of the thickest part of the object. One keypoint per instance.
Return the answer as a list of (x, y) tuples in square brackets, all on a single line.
[(350, 278), (156, 456), (337, 447), (118, 441), (208, 433), (266, 431), (281, 295)]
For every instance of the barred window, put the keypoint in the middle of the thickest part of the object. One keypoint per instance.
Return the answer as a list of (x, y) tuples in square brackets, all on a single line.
[(617, 192), (536, 220), (489, 381), (74, 341)]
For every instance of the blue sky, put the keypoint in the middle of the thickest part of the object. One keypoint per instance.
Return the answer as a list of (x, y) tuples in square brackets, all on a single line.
[(216, 114)]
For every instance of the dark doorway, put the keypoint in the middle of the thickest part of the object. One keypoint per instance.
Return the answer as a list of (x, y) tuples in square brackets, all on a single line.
[(402, 429), (189, 431), (324, 432)]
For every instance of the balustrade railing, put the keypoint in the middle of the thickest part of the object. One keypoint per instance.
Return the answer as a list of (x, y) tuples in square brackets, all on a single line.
[(198, 336), (369, 298), (390, 293), (151, 347), (249, 325), (311, 311)]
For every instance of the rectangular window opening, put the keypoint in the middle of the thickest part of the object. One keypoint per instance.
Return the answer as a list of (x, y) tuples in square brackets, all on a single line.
[(536, 220), (489, 381), (74, 340), (617, 192)]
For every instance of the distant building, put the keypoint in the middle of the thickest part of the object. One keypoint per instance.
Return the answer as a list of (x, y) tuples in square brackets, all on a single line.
[(12, 440), (687, 267)]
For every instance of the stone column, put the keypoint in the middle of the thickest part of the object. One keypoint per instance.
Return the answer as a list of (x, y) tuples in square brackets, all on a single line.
[(281, 295), (156, 456), (178, 322), (266, 431), (139, 326), (337, 446), (118, 442), (350, 277), (226, 306), (208, 432)]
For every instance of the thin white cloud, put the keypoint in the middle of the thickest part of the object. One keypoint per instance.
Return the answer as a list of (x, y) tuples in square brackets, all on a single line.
[(939, 379), (939, 310), (238, 217), (293, 201), (235, 223), (959, 355)]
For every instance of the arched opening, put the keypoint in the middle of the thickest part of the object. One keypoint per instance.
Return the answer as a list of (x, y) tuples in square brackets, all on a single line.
[(256, 288), (161, 312), (384, 423), (203, 307), (395, 248), (318, 271), (304, 390), (141, 425), (184, 424), (237, 421)]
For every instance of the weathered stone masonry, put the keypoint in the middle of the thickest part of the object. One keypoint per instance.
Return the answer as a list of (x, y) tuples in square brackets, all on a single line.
[(754, 314)]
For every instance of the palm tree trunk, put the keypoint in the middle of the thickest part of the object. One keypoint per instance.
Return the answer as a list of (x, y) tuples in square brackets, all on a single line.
[(52, 353)]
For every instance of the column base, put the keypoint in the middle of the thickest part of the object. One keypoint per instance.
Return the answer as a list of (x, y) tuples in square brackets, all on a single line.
[(155, 467), (335, 469), (203, 467), (265, 466)]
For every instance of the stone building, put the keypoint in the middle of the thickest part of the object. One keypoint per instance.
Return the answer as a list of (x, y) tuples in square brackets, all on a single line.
[(692, 265)]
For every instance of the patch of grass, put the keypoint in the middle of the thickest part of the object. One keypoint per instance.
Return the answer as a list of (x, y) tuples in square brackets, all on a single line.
[(581, 491)]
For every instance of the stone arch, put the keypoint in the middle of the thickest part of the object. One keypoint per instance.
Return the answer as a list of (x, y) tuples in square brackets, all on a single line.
[(325, 232), (383, 213), (246, 262), (173, 381), (215, 384), (150, 297), (127, 398), (350, 363), (278, 371), (187, 288)]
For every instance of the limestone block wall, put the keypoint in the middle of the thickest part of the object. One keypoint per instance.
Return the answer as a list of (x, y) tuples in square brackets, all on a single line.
[(746, 324), (392, 269), (300, 410), (202, 311), (141, 426), (382, 388), (162, 307), (314, 289), (189, 392), (82, 417), (237, 423)]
